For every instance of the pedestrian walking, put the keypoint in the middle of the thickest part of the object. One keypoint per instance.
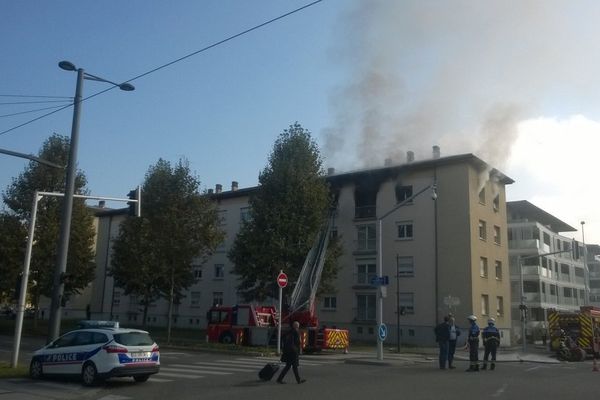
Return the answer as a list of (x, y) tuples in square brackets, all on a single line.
[(291, 353), (442, 337), (473, 341), (454, 334), (491, 341)]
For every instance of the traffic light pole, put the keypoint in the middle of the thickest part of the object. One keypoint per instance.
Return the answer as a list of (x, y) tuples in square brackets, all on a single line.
[(25, 274)]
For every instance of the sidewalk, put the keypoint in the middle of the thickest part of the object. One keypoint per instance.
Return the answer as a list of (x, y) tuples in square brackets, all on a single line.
[(428, 355)]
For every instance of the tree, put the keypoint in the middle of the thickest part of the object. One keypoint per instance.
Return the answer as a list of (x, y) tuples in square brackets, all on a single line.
[(12, 251), (287, 212), (19, 198), (154, 254)]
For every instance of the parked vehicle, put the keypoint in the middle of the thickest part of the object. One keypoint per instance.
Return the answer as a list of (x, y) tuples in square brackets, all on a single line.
[(97, 351), (575, 334)]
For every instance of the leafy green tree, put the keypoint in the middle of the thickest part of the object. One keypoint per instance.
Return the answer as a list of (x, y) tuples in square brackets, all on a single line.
[(287, 212), (154, 255), (19, 198), (12, 252)]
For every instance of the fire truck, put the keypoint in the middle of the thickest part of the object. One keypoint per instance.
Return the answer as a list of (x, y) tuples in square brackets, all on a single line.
[(575, 334), (255, 325)]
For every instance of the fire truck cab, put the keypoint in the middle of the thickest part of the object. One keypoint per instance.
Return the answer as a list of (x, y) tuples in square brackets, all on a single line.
[(241, 324)]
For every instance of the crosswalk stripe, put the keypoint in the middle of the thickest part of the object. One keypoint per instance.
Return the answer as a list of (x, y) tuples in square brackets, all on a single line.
[(212, 366), (274, 360), (153, 379), (202, 371), (174, 375)]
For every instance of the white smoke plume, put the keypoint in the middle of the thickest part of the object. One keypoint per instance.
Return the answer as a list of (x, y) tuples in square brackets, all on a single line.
[(457, 73)]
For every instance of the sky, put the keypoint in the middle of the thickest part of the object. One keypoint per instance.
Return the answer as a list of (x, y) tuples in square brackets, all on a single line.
[(514, 82)]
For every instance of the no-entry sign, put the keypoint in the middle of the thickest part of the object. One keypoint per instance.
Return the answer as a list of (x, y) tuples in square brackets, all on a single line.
[(282, 279)]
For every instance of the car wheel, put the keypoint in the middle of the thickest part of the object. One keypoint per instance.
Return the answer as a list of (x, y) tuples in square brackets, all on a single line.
[(141, 378), (226, 338), (89, 374), (36, 370)]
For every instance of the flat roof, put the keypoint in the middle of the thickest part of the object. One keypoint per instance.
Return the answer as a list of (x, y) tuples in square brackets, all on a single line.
[(523, 209)]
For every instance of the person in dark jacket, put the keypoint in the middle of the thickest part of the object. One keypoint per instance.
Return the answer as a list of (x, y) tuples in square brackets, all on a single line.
[(491, 341), (473, 340), (454, 334), (442, 337), (291, 353)]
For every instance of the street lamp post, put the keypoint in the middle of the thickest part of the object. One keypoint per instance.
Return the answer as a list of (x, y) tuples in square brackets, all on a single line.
[(433, 188), (67, 207)]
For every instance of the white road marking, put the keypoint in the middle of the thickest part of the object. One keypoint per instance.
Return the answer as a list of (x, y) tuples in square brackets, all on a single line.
[(158, 380), (500, 391), (174, 375), (202, 371), (213, 366), (532, 368)]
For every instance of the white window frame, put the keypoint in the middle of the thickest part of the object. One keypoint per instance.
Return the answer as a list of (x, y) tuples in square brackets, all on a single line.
[(403, 228)]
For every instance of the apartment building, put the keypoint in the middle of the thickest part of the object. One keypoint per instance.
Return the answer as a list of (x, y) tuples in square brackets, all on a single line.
[(448, 254), (593, 265), (553, 275)]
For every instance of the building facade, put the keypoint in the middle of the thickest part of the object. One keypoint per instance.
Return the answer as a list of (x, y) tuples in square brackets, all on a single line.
[(442, 255), (593, 266), (552, 272)]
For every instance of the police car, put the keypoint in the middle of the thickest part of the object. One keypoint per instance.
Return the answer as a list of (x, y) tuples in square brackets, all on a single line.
[(99, 350)]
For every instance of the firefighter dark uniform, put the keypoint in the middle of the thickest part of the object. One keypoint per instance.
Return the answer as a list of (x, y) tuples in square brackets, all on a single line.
[(491, 341), (473, 340)]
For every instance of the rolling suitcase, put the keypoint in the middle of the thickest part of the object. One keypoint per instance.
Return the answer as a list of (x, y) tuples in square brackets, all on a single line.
[(267, 372)]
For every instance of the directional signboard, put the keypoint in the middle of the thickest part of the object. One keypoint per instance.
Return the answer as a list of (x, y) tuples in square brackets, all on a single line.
[(382, 332), (380, 280)]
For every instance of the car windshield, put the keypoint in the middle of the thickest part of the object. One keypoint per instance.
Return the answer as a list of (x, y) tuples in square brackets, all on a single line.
[(134, 339)]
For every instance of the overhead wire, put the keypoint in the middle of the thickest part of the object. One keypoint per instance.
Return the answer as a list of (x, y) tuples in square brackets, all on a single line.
[(218, 43), (38, 96), (31, 102), (28, 111)]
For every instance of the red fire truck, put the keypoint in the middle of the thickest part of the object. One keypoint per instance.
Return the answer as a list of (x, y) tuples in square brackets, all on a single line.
[(248, 324)]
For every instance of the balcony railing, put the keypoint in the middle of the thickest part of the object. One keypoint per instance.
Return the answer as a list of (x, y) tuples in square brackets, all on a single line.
[(364, 246), (365, 212)]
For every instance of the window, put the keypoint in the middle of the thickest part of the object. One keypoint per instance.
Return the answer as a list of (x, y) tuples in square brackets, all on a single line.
[(195, 299), (365, 272), (553, 290), (482, 196), (482, 234), (483, 267), (244, 214), (496, 234), (564, 269), (407, 300), (405, 230), (496, 204), (406, 266), (219, 271), (499, 306), (367, 237), (330, 302), (579, 272), (403, 193), (485, 304), (365, 307), (197, 272), (567, 292), (217, 298), (531, 287), (498, 270), (116, 298)]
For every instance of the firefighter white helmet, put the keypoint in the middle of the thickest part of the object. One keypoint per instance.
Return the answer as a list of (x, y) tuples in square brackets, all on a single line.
[(472, 318), (491, 321)]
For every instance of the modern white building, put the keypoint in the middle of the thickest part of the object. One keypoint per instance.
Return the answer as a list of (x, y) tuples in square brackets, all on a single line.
[(553, 274)]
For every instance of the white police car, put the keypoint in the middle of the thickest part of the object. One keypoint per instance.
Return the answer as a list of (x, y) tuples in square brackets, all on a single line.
[(99, 350)]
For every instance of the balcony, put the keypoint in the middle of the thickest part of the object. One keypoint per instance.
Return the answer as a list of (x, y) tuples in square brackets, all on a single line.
[(524, 244), (368, 246)]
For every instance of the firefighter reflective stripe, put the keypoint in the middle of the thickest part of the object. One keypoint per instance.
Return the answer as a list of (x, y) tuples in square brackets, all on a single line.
[(586, 331), (553, 321), (336, 339)]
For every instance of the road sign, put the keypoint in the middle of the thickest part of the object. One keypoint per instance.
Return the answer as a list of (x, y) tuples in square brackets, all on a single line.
[(282, 279), (380, 280), (382, 332)]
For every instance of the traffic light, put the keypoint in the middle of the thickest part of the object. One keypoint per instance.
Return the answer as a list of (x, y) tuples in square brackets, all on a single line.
[(135, 209)]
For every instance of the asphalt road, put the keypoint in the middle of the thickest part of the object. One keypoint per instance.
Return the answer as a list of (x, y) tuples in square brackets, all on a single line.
[(192, 375)]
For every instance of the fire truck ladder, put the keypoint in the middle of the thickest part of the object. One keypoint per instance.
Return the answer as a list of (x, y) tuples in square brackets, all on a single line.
[(305, 291)]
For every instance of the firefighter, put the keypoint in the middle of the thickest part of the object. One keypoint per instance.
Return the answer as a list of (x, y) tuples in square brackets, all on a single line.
[(491, 341), (473, 341)]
